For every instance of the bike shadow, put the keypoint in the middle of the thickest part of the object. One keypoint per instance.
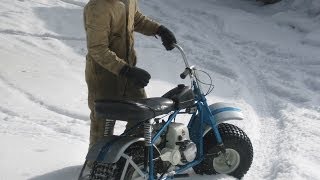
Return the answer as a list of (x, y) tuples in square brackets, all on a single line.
[(68, 173), (72, 173)]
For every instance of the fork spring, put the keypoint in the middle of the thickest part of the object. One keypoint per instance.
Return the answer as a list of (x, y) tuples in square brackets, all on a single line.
[(147, 133), (109, 127)]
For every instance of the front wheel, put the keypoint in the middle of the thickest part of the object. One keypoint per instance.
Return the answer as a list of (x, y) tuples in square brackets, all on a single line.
[(237, 159)]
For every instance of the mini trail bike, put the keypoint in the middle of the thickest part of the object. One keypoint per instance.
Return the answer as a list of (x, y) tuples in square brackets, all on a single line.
[(164, 149)]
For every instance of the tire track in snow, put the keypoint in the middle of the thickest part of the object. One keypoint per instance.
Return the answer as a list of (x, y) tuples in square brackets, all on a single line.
[(254, 94), (261, 70), (8, 112), (42, 104), (45, 35), (200, 43), (270, 128), (43, 122)]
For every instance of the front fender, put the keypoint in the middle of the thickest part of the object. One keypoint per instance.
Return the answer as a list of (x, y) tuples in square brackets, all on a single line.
[(224, 112), (109, 149)]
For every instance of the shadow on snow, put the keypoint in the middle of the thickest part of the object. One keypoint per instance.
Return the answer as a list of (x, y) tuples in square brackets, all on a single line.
[(68, 173)]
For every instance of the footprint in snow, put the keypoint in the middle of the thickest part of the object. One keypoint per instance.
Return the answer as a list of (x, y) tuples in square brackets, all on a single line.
[(40, 150)]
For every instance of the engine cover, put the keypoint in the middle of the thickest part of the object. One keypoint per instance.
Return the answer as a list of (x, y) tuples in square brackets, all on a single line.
[(179, 148), (188, 150), (177, 132)]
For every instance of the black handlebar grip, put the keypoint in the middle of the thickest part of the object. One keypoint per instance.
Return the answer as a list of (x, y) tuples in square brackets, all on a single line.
[(185, 73)]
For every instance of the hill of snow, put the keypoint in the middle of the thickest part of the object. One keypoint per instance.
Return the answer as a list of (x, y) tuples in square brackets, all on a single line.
[(265, 59)]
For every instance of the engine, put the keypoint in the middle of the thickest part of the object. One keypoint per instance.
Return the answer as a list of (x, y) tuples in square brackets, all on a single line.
[(179, 149)]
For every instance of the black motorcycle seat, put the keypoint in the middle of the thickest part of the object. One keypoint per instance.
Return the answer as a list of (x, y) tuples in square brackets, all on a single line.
[(133, 110)]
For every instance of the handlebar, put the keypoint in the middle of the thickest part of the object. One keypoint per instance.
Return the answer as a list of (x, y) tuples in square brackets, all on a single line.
[(188, 70), (183, 55), (185, 73)]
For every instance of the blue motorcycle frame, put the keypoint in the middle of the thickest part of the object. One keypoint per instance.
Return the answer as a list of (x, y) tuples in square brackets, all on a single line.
[(203, 119), (196, 125)]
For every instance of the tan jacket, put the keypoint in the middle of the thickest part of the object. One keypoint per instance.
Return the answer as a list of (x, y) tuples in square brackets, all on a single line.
[(109, 26)]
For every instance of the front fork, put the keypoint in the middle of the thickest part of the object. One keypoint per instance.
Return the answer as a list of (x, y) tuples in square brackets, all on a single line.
[(207, 115)]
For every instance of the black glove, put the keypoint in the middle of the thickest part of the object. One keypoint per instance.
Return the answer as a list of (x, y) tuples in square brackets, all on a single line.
[(139, 76), (167, 37)]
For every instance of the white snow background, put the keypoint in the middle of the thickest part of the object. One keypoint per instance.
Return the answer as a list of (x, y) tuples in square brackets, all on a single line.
[(265, 59)]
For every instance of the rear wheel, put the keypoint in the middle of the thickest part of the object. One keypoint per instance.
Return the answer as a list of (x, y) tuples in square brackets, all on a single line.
[(114, 171), (103, 171), (237, 159)]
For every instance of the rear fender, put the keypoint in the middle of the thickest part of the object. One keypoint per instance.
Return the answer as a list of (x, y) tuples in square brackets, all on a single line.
[(224, 112), (110, 149)]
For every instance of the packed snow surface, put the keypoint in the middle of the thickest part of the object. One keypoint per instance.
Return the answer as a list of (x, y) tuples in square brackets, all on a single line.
[(264, 59)]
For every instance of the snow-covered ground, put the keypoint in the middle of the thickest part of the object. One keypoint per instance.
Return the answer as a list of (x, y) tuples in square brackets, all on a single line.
[(265, 59)]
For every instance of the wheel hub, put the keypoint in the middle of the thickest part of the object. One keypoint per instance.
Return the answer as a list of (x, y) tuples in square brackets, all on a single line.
[(226, 162)]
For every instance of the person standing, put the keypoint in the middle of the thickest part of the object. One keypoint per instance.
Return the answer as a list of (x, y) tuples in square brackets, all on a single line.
[(111, 71)]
